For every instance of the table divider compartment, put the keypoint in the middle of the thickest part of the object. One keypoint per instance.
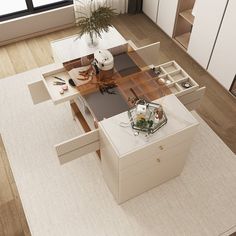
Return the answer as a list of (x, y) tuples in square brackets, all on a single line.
[(170, 67), (154, 75), (54, 90), (193, 84), (178, 75), (175, 88), (168, 79)]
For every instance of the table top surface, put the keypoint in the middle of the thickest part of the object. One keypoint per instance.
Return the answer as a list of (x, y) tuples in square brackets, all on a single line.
[(123, 139), (72, 47), (128, 78)]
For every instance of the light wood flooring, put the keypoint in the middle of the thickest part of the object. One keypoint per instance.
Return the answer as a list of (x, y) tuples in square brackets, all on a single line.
[(218, 108)]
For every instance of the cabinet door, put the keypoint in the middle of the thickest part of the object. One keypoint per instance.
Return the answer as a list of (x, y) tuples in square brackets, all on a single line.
[(150, 8), (208, 16), (222, 64), (166, 15)]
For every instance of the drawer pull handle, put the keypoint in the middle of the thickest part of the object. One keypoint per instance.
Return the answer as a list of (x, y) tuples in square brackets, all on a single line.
[(161, 147), (158, 160)]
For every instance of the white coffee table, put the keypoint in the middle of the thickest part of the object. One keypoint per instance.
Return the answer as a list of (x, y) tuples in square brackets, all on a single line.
[(67, 49)]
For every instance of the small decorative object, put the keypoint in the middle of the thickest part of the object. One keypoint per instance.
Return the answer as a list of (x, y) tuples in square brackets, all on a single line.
[(107, 87), (61, 91), (186, 84), (64, 87), (58, 78), (58, 81), (168, 81), (104, 64), (71, 82), (147, 117), (133, 99), (161, 81), (93, 19), (156, 70)]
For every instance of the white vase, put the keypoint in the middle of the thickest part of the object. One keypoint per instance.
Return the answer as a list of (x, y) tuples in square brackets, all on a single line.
[(91, 39)]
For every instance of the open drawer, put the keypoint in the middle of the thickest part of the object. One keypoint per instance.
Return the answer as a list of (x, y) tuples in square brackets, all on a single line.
[(78, 146), (44, 89)]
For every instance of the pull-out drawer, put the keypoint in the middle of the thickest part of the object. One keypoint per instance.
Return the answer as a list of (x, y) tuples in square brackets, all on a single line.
[(156, 148), (45, 89), (193, 100), (154, 159), (78, 146), (165, 168)]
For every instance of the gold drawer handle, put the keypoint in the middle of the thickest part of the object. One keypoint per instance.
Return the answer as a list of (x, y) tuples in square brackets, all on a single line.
[(158, 160), (161, 147)]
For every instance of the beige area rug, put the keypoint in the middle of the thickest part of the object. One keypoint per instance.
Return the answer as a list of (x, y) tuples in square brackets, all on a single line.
[(74, 200)]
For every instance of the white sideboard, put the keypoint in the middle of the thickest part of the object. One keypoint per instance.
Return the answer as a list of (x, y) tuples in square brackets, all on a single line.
[(133, 164)]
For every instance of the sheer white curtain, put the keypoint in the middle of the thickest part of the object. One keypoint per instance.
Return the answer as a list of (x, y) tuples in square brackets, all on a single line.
[(121, 6)]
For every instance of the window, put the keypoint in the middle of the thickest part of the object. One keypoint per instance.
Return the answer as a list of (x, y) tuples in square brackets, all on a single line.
[(8, 7), (15, 8), (37, 3)]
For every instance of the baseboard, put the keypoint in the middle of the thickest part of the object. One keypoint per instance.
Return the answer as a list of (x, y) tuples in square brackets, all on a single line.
[(35, 34)]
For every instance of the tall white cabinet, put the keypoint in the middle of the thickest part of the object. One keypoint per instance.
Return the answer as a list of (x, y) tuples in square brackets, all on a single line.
[(162, 12), (150, 8), (222, 65), (208, 17), (166, 15)]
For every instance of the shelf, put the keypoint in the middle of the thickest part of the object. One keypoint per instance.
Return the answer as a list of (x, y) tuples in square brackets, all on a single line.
[(187, 15), (183, 39)]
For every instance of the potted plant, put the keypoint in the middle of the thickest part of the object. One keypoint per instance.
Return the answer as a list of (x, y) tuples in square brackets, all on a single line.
[(93, 19)]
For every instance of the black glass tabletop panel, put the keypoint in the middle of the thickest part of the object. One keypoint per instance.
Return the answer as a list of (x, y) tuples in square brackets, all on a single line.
[(106, 105)]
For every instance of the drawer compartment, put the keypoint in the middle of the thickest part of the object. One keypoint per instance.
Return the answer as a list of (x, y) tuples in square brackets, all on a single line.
[(53, 90), (170, 66), (156, 148), (164, 170), (152, 160), (178, 75)]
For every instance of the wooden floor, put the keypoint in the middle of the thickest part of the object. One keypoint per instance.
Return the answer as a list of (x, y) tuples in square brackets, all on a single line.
[(218, 108)]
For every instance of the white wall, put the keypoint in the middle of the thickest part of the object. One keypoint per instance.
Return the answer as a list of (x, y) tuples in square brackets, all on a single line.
[(36, 24)]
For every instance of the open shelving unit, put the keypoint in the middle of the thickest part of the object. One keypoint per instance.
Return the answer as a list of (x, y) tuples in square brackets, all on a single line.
[(187, 15), (184, 23)]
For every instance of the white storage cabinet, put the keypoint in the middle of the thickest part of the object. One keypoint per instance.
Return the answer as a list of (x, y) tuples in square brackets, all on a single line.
[(222, 64), (208, 16), (150, 8), (166, 15)]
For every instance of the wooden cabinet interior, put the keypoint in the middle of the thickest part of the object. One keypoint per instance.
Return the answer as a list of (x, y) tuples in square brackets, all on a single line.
[(184, 22)]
